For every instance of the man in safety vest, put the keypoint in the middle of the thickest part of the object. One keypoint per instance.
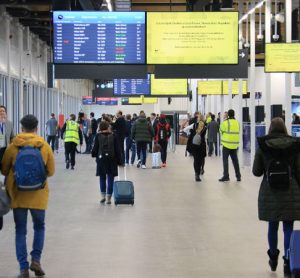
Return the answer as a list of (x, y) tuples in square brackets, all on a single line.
[(72, 138), (230, 130)]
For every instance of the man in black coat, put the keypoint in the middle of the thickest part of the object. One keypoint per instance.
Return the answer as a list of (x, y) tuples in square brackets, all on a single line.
[(119, 128)]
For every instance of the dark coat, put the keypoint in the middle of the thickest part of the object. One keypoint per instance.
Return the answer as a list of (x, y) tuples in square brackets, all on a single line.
[(197, 150), (105, 165), (213, 131), (142, 131), (119, 127), (275, 204)]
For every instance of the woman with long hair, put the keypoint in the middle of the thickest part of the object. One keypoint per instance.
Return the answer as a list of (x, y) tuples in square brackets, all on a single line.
[(280, 203), (198, 147)]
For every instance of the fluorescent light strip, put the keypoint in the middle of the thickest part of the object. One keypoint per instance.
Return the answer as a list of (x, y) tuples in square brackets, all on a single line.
[(257, 6)]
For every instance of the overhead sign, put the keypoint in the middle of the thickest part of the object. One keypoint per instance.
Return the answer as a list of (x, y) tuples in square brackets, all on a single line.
[(282, 57)]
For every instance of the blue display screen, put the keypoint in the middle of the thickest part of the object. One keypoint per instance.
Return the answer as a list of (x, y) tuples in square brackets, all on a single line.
[(132, 87), (87, 100), (99, 37)]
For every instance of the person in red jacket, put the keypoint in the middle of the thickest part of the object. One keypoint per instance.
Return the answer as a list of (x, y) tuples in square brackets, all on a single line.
[(162, 135)]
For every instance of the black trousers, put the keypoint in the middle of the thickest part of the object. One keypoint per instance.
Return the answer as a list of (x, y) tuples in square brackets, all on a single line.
[(163, 150), (233, 154), (70, 150), (199, 161), (211, 146), (1, 223), (51, 141), (121, 143)]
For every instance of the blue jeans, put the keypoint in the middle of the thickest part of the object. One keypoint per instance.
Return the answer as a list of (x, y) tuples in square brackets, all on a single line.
[(110, 184), (130, 145), (142, 149), (38, 218), (288, 227)]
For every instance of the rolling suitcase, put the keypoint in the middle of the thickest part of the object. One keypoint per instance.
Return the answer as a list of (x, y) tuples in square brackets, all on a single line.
[(123, 191), (295, 254)]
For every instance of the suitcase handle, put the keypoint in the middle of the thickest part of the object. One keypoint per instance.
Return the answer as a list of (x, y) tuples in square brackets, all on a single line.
[(125, 174)]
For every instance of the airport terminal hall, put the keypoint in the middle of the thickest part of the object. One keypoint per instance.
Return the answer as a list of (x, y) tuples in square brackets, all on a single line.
[(150, 138)]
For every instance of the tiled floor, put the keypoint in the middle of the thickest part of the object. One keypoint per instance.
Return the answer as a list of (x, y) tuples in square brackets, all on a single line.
[(177, 227)]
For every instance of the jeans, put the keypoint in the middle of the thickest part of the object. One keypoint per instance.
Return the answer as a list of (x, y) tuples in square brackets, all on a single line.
[(87, 143), (130, 145), (235, 161), (211, 146), (288, 227), (110, 184), (51, 139), (38, 218), (163, 150), (142, 149), (70, 149)]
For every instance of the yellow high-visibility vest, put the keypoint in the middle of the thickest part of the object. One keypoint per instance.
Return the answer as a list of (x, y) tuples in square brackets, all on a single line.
[(230, 130), (71, 134)]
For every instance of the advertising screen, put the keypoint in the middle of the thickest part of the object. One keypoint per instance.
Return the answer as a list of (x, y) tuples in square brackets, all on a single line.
[(87, 100), (99, 37), (210, 87), (235, 87), (132, 87), (192, 38), (282, 57), (168, 87)]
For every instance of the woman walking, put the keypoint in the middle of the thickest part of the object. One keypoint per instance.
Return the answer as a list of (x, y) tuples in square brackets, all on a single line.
[(280, 203)]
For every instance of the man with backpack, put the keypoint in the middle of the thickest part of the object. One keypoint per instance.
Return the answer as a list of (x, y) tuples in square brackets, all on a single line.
[(27, 163), (162, 135)]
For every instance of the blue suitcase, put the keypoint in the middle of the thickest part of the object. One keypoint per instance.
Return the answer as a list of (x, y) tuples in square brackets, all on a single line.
[(295, 254), (123, 191)]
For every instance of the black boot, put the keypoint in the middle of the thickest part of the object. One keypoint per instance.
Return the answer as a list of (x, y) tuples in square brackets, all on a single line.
[(273, 262), (286, 266), (197, 177)]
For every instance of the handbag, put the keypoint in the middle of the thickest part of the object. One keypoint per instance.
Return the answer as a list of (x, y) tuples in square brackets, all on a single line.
[(4, 200), (197, 139)]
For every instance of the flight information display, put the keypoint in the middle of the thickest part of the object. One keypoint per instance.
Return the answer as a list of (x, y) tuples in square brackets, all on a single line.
[(99, 37), (132, 87), (87, 100)]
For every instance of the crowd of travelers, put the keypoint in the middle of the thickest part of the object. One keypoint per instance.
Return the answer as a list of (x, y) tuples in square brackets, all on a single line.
[(124, 140)]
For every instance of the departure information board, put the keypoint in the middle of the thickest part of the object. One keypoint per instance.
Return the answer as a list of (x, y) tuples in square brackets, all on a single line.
[(132, 87), (99, 37)]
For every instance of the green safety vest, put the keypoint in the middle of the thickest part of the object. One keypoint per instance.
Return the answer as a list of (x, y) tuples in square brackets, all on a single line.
[(230, 130), (71, 134)]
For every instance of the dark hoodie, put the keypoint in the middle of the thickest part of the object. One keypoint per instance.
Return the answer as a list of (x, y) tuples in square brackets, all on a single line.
[(274, 204)]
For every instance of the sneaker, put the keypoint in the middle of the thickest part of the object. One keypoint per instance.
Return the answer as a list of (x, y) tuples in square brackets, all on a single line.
[(24, 274), (144, 167), (238, 179), (102, 201), (72, 167), (197, 178), (67, 165), (139, 164), (36, 268), (224, 179)]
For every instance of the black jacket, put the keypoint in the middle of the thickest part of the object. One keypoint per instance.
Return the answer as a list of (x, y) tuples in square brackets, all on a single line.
[(119, 127), (193, 149), (106, 165), (275, 204)]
